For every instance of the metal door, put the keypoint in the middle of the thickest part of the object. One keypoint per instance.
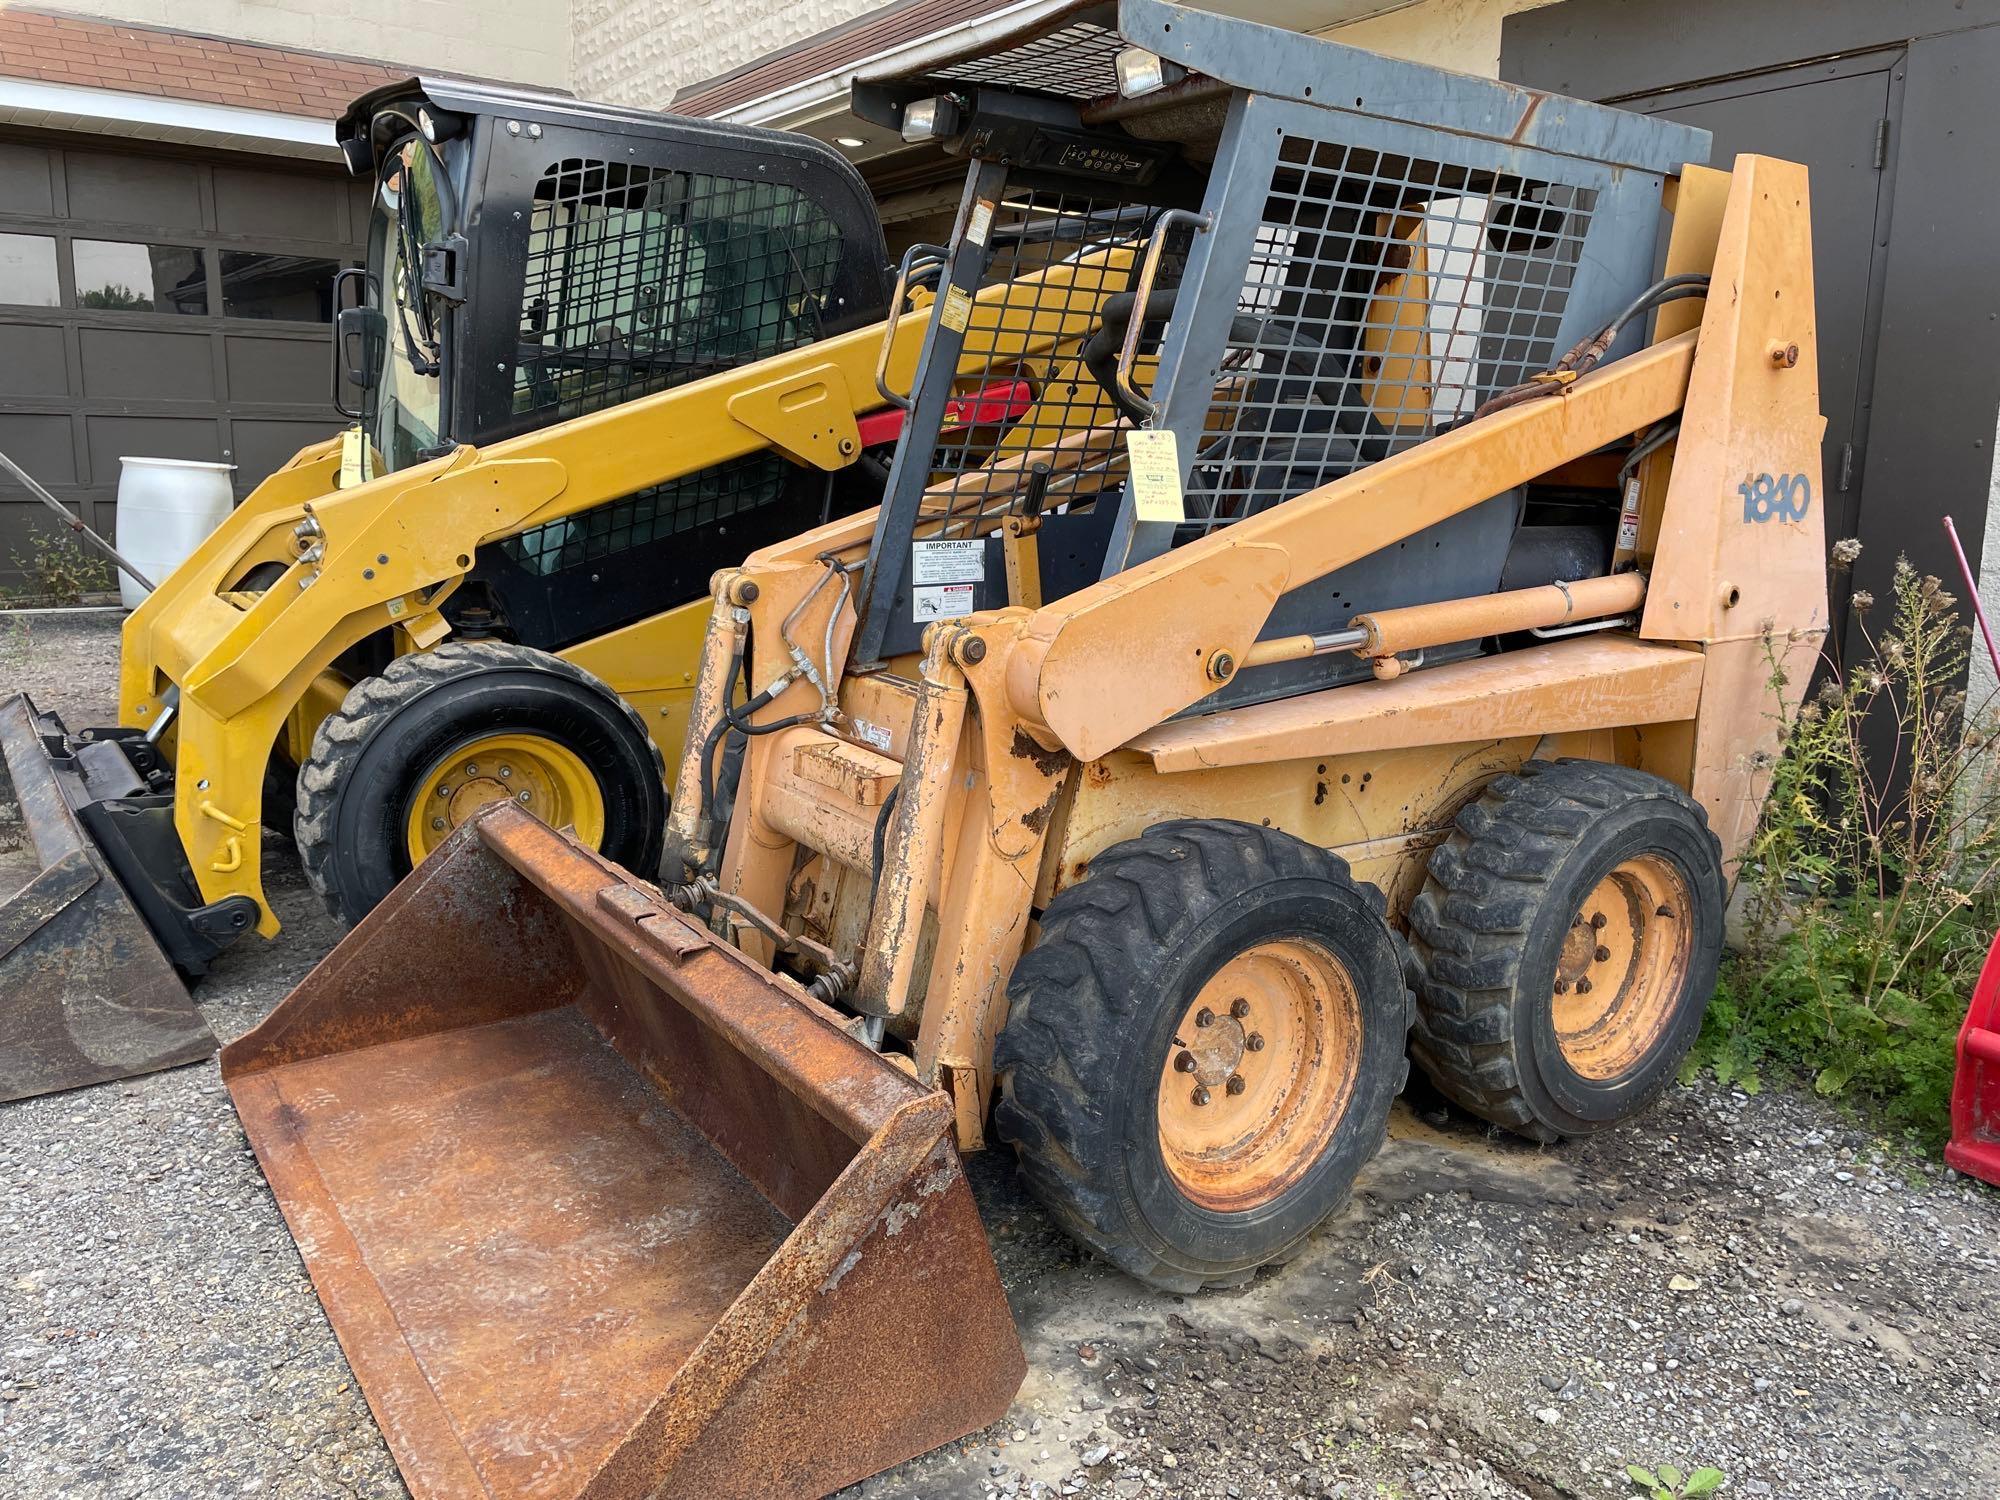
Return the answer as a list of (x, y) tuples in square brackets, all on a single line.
[(1836, 118)]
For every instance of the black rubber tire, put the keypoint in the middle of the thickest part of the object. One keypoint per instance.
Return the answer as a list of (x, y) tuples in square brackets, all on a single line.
[(1091, 1014), (1487, 930), (368, 755)]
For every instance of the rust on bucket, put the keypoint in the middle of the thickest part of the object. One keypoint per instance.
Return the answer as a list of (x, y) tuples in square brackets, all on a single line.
[(597, 1206)]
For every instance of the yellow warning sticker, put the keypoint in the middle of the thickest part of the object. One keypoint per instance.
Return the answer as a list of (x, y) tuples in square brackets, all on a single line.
[(1155, 475), (956, 314), (353, 459)]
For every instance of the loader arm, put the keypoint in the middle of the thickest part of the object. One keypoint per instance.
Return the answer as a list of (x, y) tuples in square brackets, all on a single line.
[(385, 554)]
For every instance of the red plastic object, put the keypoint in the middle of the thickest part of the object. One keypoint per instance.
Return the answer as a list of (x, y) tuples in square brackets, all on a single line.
[(1975, 1095), (1002, 401)]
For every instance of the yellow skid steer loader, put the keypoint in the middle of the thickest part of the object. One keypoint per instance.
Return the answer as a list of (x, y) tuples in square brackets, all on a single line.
[(598, 354), (1403, 690)]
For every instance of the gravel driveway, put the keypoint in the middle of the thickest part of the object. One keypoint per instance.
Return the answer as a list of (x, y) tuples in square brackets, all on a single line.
[(1744, 1282)]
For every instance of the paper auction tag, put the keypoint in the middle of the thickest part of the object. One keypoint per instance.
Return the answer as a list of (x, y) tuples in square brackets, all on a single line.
[(1155, 477)]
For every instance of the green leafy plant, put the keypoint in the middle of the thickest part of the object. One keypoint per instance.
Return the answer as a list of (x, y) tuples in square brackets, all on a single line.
[(59, 569), (1668, 1483), (1872, 886)]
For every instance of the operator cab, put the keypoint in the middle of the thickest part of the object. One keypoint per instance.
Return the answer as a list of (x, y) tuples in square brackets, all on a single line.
[(532, 259), (1278, 278)]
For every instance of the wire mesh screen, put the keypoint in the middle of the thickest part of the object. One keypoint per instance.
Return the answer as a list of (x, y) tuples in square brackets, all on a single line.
[(1386, 298), (1030, 404), (640, 278), (685, 504), (1075, 62)]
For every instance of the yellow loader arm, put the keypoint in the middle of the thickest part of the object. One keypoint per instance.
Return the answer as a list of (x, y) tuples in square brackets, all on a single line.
[(385, 554)]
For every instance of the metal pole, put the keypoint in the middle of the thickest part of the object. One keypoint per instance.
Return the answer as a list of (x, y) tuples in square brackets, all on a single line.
[(1972, 592), (74, 523)]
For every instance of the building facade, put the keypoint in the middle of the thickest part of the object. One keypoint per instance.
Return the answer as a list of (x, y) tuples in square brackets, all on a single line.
[(172, 213)]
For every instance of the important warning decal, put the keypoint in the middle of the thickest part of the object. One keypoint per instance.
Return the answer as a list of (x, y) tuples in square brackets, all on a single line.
[(956, 314), (979, 224), (1155, 462), (961, 560), (944, 602)]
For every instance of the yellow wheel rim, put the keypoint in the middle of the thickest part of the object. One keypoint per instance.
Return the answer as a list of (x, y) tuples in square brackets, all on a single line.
[(545, 778), (1258, 1074), (1623, 966)]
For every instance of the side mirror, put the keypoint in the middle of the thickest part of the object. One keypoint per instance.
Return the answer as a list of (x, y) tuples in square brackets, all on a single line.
[(360, 340)]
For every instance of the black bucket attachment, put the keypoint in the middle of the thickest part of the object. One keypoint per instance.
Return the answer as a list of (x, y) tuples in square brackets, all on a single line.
[(86, 994)]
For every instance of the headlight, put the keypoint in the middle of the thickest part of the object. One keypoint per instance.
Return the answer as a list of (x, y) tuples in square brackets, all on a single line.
[(933, 119), (1141, 72)]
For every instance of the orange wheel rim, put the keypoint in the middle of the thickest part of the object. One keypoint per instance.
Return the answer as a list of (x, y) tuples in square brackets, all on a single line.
[(1623, 968), (1258, 1074)]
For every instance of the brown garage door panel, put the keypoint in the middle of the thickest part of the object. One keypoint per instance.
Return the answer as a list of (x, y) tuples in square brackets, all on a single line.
[(290, 371), (263, 444), (148, 191), (32, 361), (24, 180), (272, 203), (147, 364), (40, 443), (109, 439)]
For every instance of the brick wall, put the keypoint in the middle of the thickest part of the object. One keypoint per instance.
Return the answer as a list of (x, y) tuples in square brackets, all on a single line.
[(641, 51), (515, 41)]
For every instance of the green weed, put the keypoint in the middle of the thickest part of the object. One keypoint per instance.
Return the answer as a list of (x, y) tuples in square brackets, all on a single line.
[(58, 569), (1668, 1483), (1870, 885)]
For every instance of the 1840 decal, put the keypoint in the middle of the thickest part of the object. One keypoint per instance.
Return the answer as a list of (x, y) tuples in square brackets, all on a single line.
[(1786, 497)]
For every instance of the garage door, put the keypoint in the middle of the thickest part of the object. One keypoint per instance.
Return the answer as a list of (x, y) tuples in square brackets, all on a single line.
[(171, 306)]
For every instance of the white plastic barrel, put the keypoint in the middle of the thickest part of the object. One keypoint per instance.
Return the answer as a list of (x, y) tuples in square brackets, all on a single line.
[(166, 509)]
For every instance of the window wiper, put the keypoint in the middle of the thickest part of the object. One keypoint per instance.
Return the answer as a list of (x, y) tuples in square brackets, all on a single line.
[(427, 360)]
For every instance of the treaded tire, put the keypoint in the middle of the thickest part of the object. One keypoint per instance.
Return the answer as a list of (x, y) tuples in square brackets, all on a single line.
[(369, 754), (1093, 1011), (1487, 932)]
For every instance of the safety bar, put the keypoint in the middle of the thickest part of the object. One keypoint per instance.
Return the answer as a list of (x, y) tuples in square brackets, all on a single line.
[(1149, 270), (917, 261)]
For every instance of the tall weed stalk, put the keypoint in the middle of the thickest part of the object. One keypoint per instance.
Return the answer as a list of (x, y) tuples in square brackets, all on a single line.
[(1872, 886)]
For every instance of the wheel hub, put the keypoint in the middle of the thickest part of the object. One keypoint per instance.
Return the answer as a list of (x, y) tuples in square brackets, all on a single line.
[(1622, 967), (1258, 1074), (546, 778)]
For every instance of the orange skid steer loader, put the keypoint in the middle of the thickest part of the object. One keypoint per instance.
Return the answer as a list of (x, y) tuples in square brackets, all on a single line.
[(1389, 675)]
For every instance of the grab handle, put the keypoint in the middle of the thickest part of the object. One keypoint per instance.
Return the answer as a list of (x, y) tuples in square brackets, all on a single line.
[(917, 261), (1149, 270)]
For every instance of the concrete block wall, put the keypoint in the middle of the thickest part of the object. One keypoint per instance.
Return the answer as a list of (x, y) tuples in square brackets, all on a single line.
[(513, 41)]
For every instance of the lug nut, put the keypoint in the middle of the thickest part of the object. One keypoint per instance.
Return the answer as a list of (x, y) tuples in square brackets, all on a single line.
[(1200, 1096), (522, 798), (1204, 1017), (1239, 1008), (437, 822), (1583, 986), (1562, 986), (444, 791), (505, 772), (1184, 1063), (1597, 920), (1253, 1042), (471, 769), (1236, 1084), (1601, 954)]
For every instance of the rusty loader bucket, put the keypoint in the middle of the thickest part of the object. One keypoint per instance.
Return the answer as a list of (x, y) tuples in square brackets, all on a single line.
[(598, 1206), (86, 994)]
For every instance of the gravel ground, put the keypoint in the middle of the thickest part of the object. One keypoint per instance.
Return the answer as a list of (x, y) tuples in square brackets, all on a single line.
[(1744, 1282)]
